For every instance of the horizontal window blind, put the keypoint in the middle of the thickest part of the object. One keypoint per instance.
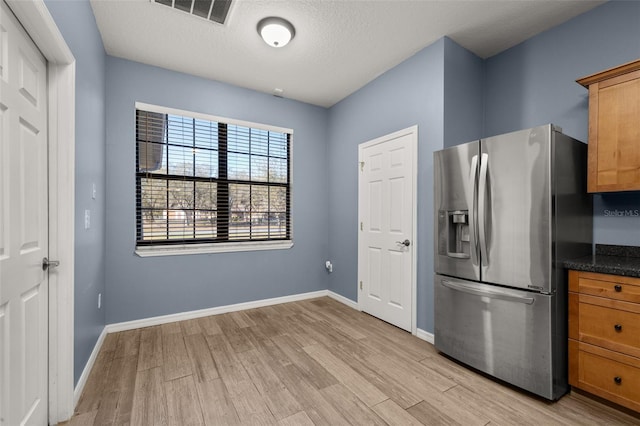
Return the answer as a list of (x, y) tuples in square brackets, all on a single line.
[(201, 181)]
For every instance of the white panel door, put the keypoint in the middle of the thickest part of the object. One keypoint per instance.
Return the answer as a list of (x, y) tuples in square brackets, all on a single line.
[(386, 203), (23, 227)]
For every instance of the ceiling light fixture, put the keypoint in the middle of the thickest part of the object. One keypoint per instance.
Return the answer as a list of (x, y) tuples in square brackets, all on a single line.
[(276, 32)]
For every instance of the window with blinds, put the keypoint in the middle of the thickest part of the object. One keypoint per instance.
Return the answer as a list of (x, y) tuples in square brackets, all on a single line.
[(203, 179)]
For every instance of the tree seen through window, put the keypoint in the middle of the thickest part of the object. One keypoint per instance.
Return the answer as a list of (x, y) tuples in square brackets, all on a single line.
[(208, 181)]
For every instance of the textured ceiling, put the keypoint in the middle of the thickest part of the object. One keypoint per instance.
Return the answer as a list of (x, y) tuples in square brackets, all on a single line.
[(340, 45)]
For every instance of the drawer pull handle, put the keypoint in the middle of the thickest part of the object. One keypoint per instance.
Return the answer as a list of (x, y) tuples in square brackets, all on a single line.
[(618, 327), (617, 288), (618, 380)]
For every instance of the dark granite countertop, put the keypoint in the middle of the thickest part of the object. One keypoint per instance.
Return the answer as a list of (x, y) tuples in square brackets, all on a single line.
[(609, 259)]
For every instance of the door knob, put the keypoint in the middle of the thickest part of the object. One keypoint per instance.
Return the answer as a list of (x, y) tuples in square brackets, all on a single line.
[(405, 243), (47, 264)]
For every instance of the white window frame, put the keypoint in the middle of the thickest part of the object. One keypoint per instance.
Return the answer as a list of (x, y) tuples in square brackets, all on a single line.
[(205, 248)]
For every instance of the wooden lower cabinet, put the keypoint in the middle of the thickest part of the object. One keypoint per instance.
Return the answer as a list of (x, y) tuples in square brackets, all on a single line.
[(606, 373), (604, 336)]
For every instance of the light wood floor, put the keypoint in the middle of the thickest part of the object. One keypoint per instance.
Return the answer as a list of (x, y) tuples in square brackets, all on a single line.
[(303, 363)]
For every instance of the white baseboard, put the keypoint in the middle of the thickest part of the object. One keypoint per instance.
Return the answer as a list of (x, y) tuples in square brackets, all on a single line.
[(147, 322), (425, 335), (163, 319), (345, 300), (420, 333), (87, 368)]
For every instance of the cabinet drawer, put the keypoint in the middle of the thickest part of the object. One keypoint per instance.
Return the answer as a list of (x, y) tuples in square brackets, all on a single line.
[(613, 379), (610, 328), (602, 285)]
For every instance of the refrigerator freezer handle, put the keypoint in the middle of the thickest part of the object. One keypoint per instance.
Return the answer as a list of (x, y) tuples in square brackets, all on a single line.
[(493, 294), (473, 205), (482, 206)]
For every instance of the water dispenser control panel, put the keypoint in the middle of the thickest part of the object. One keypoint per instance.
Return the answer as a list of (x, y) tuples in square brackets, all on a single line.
[(453, 233)]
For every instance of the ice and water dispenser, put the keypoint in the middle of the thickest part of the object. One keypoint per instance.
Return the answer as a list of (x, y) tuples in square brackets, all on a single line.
[(453, 233)]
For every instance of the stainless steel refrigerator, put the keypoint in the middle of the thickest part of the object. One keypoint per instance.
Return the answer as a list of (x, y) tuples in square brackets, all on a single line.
[(508, 210)]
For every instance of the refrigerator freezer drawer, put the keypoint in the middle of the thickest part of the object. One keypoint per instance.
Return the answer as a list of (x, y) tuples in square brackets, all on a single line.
[(505, 333)]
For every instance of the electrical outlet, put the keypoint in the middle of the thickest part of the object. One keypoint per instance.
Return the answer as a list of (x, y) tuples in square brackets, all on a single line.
[(99, 300), (329, 266)]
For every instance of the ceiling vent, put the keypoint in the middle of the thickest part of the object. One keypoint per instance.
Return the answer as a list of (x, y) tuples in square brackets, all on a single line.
[(212, 10)]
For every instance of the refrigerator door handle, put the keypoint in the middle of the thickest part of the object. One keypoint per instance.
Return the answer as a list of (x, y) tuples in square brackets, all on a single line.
[(493, 294), (473, 217), (482, 206)]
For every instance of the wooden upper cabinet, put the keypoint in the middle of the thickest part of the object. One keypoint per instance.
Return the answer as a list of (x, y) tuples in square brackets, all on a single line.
[(614, 128)]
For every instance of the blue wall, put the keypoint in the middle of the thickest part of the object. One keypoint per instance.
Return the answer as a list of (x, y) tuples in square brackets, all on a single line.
[(463, 95), (441, 78), (534, 83), (452, 95), (455, 97), (78, 27), (146, 287)]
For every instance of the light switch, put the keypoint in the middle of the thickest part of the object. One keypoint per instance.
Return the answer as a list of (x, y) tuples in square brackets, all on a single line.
[(93, 191), (87, 219)]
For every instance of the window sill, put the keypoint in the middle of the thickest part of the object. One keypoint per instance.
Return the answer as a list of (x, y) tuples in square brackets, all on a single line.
[(176, 250)]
